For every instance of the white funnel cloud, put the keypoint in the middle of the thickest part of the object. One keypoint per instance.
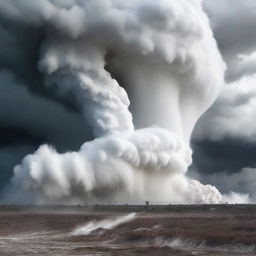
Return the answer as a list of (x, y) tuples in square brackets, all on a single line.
[(162, 55)]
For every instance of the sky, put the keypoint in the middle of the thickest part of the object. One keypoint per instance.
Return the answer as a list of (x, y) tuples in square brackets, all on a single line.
[(223, 140)]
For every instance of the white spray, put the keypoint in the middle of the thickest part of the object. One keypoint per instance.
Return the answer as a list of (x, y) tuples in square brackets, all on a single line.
[(106, 224), (164, 55)]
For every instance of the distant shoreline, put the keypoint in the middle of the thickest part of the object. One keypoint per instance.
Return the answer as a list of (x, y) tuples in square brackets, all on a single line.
[(130, 208)]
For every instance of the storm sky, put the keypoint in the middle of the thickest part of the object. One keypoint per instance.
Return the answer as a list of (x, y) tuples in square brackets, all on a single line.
[(224, 139)]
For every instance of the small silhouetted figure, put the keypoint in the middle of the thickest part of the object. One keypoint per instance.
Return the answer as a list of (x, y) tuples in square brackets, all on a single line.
[(147, 203)]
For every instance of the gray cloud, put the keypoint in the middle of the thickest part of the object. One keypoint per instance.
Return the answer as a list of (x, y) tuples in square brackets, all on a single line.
[(232, 114), (224, 139), (234, 28)]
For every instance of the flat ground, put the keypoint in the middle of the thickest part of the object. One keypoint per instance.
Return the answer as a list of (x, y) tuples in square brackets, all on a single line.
[(221, 230)]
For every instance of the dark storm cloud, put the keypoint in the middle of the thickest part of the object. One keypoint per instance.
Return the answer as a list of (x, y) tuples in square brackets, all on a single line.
[(37, 114), (28, 116), (27, 120), (222, 163), (14, 145), (228, 164), (225, 142), (225, 155)]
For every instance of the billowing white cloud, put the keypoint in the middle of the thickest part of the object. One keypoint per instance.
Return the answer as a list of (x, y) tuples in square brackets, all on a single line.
[(105, 56)]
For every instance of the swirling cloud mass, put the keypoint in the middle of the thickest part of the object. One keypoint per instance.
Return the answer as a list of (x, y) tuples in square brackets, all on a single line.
[(140, 72)]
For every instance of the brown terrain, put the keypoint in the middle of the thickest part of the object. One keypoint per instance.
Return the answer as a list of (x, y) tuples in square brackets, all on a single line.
[(154, 231)]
